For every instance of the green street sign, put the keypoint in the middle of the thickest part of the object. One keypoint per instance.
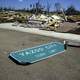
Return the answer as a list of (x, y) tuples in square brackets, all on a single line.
[(38, 53)]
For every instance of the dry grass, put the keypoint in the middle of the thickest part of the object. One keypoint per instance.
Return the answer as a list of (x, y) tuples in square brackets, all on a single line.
[(74, 17), (12, 17)]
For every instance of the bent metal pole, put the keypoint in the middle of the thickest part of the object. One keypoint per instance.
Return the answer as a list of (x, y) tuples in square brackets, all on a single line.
[(64, 36)]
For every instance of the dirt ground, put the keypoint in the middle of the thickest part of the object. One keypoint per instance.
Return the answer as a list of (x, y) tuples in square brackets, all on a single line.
[(68, 27), (65, 66)]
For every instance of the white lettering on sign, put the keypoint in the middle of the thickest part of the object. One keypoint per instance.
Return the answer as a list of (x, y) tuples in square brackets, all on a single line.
[(52, 51), (50, 46), (40, 55), (36, 50), (26, 53), (22, 54)]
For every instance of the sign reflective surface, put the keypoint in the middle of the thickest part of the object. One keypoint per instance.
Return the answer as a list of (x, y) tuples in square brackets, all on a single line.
[(38, 53)]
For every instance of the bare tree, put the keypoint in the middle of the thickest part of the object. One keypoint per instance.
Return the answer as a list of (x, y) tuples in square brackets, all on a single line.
[(48, 6), (58, 7)]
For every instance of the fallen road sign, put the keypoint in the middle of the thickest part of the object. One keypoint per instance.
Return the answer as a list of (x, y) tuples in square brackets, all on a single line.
[(38, 53)]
